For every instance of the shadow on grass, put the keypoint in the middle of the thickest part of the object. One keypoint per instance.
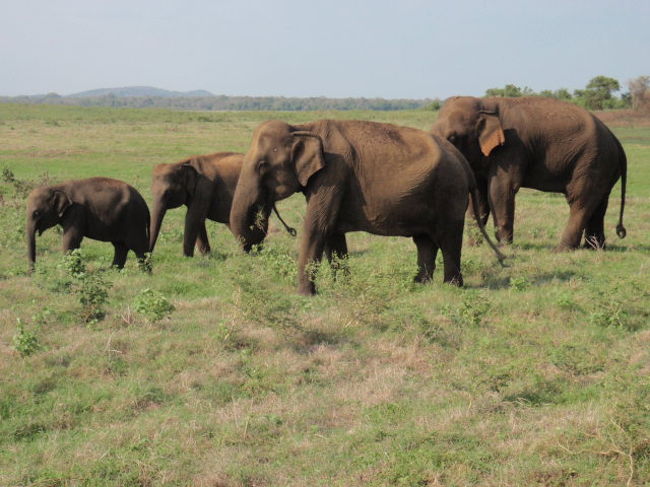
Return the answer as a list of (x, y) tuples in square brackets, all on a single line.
[(532, 281), (628, 248), (550, 247)]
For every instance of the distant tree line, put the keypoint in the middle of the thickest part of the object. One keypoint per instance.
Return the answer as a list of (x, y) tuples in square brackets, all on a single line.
[(223, 102), (597, 95)]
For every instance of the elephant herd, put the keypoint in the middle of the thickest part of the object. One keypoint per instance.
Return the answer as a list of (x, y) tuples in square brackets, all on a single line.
[(364, 176)]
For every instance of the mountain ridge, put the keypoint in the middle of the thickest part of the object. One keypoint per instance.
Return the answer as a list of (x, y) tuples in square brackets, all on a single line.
[(127, 91)]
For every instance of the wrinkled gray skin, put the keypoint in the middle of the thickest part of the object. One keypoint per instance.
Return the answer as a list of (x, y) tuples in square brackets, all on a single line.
[(538, 143), (98, 208), (205, 184), (359, 176)]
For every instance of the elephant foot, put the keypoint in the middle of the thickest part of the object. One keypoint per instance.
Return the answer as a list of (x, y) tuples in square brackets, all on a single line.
[(205, 251), (594, 243), (503, 240), (307, 289), (456, 280), (563, 248), (422, 279)]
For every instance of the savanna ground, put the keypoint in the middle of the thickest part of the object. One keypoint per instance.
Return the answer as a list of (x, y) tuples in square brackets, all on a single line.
[(533, 374)]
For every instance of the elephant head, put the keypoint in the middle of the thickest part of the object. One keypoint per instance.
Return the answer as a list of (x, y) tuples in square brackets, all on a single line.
[(279, 163), (472, 125), (45, 208), (172, 185)]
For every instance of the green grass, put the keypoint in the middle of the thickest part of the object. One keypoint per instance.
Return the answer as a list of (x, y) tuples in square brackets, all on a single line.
[(534, 374)]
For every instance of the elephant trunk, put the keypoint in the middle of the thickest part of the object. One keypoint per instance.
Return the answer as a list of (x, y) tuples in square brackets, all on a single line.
[(249, 215), (156, 222), (476, 202), (31, 243)]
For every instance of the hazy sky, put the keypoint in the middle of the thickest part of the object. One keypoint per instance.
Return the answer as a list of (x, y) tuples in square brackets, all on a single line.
[(390, 49)]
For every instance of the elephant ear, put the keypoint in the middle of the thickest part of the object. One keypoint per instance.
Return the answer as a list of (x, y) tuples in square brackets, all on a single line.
[(60, 202), (191, 173), (490, 133), (307, 155)]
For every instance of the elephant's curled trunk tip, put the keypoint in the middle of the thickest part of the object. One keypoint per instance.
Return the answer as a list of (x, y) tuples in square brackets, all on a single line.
[(620, 231)]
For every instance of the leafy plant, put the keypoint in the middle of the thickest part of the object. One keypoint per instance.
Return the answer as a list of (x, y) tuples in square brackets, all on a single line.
[(152, 304), (565, 301), (25, 341), (73, 264), (470, 312), (519, 283), (612, 311), (93, 295), (89, 286), (146, 265)]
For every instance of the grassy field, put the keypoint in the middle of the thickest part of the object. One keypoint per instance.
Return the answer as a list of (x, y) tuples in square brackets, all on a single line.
[(533, 374)]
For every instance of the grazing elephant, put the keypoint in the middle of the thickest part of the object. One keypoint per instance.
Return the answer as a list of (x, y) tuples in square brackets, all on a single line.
[(206, 185), (99, 208), (538, 143), (359, 176)]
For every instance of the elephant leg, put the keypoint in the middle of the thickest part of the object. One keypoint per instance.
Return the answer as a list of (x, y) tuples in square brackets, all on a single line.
[(318, 228), (336, 251), (579, 215), (427, 251), (502, 204), (189, 239), (194, 224), (140, 248), (336, 247), (119, 258), (450, 241), (595, 229), (310, 256), (202, 240), (72, 238)]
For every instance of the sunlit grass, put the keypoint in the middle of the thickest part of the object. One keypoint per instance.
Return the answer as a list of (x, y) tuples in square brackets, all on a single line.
[(534, 374)]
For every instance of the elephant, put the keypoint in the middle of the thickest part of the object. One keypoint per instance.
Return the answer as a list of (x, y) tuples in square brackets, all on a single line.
[(359, 176), (99, 208), (206, 185), (540, 143)]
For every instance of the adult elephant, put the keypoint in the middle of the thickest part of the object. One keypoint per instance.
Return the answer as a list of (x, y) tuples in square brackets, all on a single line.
[(359, 176), (538, 143), (102, 209)]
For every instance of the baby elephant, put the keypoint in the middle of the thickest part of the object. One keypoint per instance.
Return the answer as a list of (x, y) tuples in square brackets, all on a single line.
[(99, 208)]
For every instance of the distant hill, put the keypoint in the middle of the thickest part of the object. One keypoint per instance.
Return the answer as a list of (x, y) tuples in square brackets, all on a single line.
[(139, 91), (150, 97)]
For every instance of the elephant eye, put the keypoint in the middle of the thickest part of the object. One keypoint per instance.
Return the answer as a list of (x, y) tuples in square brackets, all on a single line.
[(36, 213), (261, 164), (452, 138)]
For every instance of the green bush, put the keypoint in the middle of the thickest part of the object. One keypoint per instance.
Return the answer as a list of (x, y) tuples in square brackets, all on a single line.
[(152, 304), (25, 342), (519, 283), (90, 287), (471, 310)]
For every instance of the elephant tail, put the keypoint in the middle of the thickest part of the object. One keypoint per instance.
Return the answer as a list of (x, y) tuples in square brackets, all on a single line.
[(473, 191), (620, 229)]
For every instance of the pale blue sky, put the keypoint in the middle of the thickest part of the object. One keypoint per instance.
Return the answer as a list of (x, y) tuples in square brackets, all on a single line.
[(390, 49)]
